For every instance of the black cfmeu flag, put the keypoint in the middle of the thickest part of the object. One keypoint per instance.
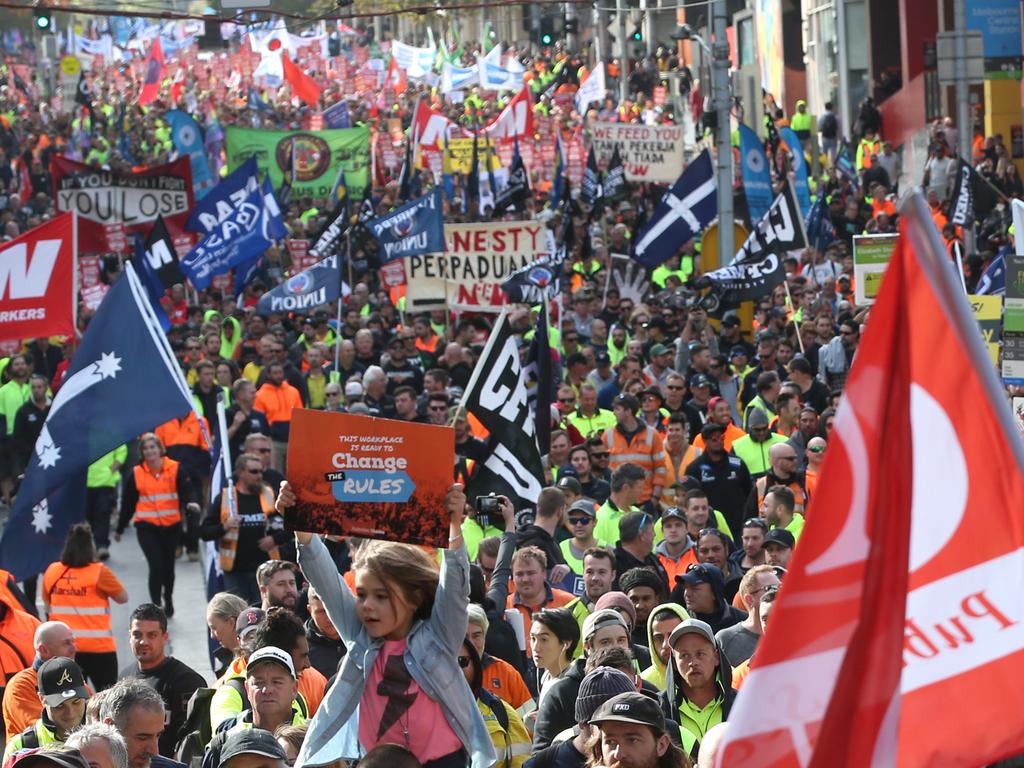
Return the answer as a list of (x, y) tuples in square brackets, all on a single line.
[(590, 189), (757, 268), (614, 179), (973, 199), (498, 396)]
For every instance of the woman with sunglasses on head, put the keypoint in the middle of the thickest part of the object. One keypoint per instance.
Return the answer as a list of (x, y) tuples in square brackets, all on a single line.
[(156, 494), (248, 535)]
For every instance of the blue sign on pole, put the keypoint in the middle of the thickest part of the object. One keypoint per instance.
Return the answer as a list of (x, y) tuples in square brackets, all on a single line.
[(999, 22)]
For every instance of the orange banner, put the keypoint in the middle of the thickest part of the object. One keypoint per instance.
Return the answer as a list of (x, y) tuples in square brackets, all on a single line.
[(375, 478)]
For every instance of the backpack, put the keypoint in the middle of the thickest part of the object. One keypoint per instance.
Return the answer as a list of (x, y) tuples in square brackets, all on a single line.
[(196, 732), (497, 707), (829, 126)]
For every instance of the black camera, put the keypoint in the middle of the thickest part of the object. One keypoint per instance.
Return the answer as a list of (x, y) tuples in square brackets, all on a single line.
[(486, 506)]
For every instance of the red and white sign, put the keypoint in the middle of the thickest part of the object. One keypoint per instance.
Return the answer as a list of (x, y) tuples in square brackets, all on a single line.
[(648, 152), (392, 274), (901, 639), (93, 295), (117, 238), (88, 271), (478, 259), (37, 282), (302, 259), (134, 199)]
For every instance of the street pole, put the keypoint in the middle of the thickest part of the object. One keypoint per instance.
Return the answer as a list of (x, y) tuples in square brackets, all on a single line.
[(723, 144), (604, 48), (965, 131), (571, 38), (646, 7), (620, 20), (843, 65)]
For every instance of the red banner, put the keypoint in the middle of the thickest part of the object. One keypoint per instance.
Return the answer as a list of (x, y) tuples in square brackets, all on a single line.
[(88, 271), (134, 199), (37, 282)]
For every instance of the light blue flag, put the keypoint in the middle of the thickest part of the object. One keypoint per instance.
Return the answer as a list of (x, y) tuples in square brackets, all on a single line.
[(803, 189), (188, 140), (757, 177)]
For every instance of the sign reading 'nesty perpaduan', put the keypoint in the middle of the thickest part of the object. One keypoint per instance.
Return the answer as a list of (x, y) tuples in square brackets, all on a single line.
[(375, 478)]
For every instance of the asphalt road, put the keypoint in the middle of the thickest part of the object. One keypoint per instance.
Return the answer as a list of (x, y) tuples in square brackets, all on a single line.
[(187, 628)]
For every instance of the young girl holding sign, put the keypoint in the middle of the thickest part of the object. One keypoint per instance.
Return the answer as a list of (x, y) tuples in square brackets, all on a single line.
[(399, 682)]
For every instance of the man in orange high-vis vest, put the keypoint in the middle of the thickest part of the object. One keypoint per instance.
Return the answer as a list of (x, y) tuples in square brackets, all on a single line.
[(276, 400), (630, 442), (251, 536)]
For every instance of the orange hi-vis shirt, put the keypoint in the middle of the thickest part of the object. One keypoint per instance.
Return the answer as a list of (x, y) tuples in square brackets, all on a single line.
[(158, 494), (276, 402), (505, 682), (554, 598), (185, 431), (80, 597)]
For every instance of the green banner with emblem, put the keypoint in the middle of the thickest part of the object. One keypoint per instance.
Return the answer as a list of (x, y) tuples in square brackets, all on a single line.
[(315, 157)]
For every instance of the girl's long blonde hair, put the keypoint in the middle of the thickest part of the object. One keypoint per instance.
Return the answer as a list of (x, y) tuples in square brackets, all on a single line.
[(404, 568)]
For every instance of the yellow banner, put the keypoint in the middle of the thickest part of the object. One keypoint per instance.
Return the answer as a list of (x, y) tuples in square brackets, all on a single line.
[(988, 311), (459, 155)]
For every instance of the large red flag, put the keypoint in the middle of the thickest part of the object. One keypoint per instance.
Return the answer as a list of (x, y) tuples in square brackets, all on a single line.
[(154, 73), (516, 119), (303, 85), (898, 639), (37, 281)]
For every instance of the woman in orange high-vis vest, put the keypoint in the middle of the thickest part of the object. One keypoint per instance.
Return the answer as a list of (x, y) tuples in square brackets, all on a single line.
[(77, 590), (156, 492)]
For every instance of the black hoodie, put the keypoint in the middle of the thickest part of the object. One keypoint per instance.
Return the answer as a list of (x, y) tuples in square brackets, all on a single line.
[(558, 707), (325, 654), (724, 616)]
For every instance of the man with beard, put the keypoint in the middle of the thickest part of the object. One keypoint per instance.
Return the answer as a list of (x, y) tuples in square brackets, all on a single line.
[(698, 683), (806, 430), (276, 579), (633, 734), (250, 536)]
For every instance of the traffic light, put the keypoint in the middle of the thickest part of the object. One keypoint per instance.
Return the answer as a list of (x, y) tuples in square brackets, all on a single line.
[(44, 19), (547, 30), (638, 33)]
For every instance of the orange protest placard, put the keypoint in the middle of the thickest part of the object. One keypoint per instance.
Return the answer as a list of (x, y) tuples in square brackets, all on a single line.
[(376, 478)]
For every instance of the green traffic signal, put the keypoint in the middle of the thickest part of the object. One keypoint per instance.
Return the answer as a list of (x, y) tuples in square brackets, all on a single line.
[(545, 39)]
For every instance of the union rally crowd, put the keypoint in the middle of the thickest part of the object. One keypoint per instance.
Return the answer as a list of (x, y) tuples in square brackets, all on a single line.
[(614, 619)]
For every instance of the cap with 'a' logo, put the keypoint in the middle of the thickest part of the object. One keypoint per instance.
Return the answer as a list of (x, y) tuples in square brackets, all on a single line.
[(60, 680)]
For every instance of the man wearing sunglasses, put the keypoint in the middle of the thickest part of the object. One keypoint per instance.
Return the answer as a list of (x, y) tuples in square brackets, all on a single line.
[(782, 472), (251, 535)]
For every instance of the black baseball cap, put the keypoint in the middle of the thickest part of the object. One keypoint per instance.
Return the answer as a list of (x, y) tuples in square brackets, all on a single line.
[(569, 482), (779, 536), (602, 359), (60, 680), (729, 321), (701, 573), (631, 708), (248, 619), (675, 512), (251, 741), (711, 428)]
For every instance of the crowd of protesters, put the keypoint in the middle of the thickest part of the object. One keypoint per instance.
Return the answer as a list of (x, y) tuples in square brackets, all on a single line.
[(614, 626)]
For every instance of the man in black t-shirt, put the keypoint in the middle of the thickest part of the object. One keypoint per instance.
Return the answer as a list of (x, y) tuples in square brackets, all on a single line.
[(173, 680), (258, 529), (242, 419)]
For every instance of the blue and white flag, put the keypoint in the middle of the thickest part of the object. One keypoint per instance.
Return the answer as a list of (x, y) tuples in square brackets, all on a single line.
[(411, 229), (409, 57), (458, 78), (336, 115), (225, 198), (239, 239), (188, 140), (993, 280), (800, 183), (123, 380), (757, 176), (682, 214), (319, 284)]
